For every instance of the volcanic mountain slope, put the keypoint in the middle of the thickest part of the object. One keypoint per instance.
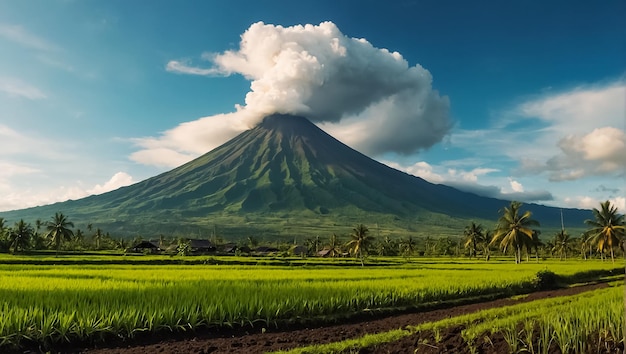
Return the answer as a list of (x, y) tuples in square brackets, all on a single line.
[(285, 176)]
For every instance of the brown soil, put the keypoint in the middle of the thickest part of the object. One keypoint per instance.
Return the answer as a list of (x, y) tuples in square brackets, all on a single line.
[(259, 340)]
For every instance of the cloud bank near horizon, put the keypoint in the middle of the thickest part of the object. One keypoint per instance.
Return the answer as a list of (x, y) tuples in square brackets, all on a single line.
[(25, 199), (371, 98)]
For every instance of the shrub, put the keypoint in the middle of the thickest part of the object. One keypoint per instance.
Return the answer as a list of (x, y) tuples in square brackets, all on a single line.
[(545, 280)]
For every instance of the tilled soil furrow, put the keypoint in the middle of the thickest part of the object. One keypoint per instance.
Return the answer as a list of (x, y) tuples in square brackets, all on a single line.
[(272, 340)]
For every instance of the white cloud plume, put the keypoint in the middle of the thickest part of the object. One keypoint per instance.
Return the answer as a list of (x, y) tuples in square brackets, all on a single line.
[(318, 72)]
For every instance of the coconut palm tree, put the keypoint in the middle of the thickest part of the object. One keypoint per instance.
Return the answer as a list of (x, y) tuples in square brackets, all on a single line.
[(562, 244), (488, 236), (586, 246), (4, 231), (97, 238), (122, 244), (534, 244), (408, 246), (607, 228), (79, 238), (3, 228), (474, 236), (514, 230), (360, 242), (334, 246), (386, 247), (59, 230), (20, 236)]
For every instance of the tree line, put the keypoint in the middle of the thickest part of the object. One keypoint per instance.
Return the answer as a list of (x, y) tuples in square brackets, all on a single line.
[(55, 234), (515, 232)]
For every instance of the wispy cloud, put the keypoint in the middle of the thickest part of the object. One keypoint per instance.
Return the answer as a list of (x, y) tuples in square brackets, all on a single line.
[(19, 144), (8, 170), (23, 37), (14, 87), (181, 67), (28, 197), (472, 181), (584, 136), (567, 136)]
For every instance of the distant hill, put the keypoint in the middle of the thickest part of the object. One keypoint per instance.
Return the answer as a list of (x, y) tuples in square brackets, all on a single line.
[(287, 178)]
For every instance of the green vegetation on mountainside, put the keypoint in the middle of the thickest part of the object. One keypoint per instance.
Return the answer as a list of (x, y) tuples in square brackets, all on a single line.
[(286, 177)]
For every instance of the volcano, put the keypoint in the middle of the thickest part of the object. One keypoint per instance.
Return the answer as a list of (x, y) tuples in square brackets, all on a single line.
[(286, 177)]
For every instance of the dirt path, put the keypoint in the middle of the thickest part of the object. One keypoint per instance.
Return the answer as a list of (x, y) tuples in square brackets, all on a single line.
[(271, 340)]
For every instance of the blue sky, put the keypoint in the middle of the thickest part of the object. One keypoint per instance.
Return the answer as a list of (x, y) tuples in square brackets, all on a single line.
[(516, 100)]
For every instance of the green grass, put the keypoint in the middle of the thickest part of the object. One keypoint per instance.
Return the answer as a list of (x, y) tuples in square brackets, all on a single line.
[(569, 323), (50, 304)]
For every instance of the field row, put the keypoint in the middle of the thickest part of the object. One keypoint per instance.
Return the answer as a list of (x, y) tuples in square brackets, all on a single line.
[(582, 323), (56, 304)]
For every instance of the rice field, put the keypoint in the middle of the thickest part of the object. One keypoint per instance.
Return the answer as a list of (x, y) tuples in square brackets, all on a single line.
[(54, 304), (585, 323)]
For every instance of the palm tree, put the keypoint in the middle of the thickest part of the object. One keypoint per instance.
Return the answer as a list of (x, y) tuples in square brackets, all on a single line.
[(407, 247), (97, 237), (334, 246), (427, 245), (39, 241), (360, 242), (445, 246), (79, 237), (607, 228), (386, 247), (514, 230), (20, 236), (317, 243), (535, 243), (122, 244), (488, 236), (474, 235), (59, 230), (585, 245), (4, 230), (561, 244)]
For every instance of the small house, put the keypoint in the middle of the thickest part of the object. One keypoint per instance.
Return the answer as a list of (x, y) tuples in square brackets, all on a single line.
[(324, 253), (266, 250), (201, 246), (298, 250), (146, 247)]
